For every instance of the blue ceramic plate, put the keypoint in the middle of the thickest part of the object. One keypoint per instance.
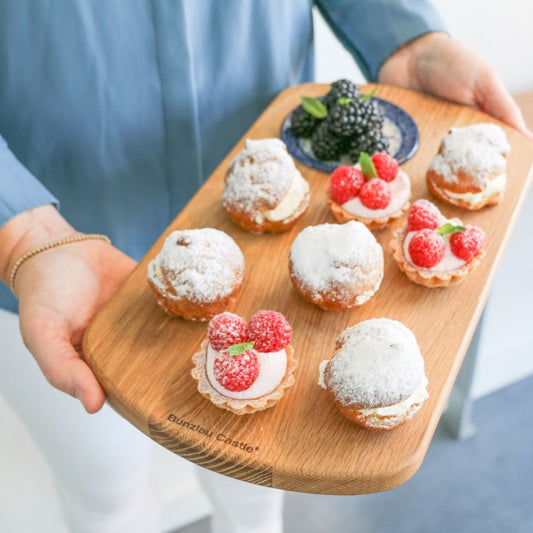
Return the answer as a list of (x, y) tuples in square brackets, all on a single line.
[(399, 127)]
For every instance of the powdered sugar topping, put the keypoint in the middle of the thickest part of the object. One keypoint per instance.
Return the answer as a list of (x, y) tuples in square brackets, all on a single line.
[(259, 177), (330, 254), (378, 364), (200, 265), (478, 150)]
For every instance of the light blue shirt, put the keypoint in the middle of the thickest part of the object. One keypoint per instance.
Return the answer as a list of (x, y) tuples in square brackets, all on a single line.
[(118, 110)]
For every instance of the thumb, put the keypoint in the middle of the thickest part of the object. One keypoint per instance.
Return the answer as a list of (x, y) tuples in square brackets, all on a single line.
[(49, 342), (494, 99)]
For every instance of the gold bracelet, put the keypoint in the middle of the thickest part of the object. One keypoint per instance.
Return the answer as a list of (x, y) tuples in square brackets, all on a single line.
[(48, 246)]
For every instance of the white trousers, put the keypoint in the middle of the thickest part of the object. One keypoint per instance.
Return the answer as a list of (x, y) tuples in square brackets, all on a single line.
[(102, 463)]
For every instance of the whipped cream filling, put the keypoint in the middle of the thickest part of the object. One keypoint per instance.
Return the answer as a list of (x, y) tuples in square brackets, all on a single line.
[(419, 395), (494, 186), (322, 373), (154, 272), (448, 263), (291, 201), (400, 188), (272, 369)]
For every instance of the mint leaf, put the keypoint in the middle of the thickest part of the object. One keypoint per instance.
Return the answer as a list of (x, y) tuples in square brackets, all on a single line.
[(314, 107), (449, 228), (237, 349), (367, 166), (368, 96), (344, 101)]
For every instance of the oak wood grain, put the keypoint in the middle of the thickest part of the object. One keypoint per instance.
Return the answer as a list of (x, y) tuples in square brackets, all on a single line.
[(143, 358)]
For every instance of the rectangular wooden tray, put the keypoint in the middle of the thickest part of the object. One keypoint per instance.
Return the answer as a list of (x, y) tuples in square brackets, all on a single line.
[(143, 358)]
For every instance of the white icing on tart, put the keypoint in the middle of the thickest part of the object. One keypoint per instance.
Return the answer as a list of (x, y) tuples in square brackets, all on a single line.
[(272, 369), (448, 263), (400, 188)]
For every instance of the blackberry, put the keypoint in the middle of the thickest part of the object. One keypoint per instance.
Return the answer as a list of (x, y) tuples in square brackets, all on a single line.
[(373, 113), (371, 141), (326, 145), (341, 89), (303, 124), (372, 117), (345, 119)]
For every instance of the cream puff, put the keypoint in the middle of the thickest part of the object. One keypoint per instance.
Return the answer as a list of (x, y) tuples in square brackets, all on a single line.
[(197, 274), (245, 367), (376, 377), (264, 191), (336, 266), (469, 170)]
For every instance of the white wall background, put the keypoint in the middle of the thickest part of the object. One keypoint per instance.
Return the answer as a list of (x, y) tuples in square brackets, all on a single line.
[(500, 32)]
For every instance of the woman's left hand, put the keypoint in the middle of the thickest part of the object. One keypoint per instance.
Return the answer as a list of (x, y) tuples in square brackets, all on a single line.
[(439, 65)]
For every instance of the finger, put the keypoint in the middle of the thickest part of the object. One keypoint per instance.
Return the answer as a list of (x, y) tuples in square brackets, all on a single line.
[(48, 341), (494, 99)]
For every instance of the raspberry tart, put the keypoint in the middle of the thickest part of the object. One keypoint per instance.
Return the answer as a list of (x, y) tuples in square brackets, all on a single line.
[(264, 191), (434, 251), (336, 266), (469, 169), (376, 377), (375, 191), (245, 367), (197, 274)]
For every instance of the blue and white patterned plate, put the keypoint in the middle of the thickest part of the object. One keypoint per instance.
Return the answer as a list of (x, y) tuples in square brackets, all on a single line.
[(399, 128)]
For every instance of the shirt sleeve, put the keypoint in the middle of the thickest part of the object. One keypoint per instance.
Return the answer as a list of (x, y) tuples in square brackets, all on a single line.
[(19, 189), (371, 30)]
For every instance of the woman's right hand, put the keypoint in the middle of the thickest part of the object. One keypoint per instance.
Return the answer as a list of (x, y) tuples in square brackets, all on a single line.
[(59, 291)]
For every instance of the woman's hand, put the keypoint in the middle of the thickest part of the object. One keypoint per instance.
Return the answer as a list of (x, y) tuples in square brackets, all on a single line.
[(440, 65), (59, 292)]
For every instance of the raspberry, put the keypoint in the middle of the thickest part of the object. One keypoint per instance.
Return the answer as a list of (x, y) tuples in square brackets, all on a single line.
[(270, 331), (345, 183), (236, 373), (375, 194), (386, 166), (226, 329), (426, 248), (423, 214), (466, 244)]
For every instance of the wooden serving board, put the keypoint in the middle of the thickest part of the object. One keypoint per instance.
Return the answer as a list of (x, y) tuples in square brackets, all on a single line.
[(142, 357)]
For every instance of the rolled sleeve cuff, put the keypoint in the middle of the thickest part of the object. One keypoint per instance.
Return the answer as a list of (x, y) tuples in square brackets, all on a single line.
[(19, 189), (371, 30)]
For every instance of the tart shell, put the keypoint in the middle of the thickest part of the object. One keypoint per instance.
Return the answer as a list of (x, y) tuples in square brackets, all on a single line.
[(371, 223), (240, 407), (424, 276)]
